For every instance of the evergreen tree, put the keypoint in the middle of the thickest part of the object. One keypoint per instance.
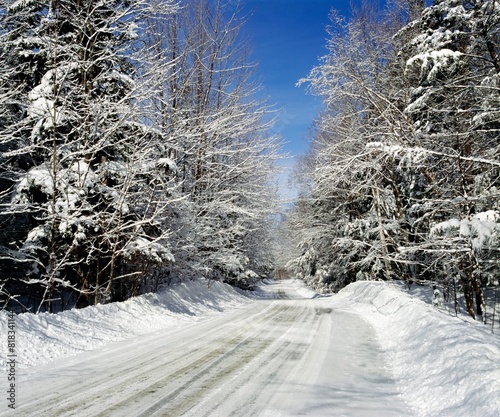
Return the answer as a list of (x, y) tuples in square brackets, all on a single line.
[(406, 152), (82, 224), (453, 68)]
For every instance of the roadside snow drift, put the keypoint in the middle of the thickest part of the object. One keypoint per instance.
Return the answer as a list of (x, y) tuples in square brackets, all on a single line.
[(44, 337), (445, 365)]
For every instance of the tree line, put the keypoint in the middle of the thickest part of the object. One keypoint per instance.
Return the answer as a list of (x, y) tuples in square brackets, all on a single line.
[(402, 180), (134, 149)]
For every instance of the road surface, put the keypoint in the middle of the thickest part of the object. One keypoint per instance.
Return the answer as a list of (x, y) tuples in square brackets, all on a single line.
[(281, 356)]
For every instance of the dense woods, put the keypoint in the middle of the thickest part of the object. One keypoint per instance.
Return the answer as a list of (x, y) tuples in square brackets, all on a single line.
[(402, 178), (134, 149)]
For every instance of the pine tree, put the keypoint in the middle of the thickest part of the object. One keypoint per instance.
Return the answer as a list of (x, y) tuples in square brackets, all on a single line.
[(85, 223)]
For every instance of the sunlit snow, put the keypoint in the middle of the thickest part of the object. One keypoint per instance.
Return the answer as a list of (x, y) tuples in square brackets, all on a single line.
[(443, 365)]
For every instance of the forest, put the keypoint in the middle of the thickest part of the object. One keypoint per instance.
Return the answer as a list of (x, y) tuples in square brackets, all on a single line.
[(136, 147), (403, 174)]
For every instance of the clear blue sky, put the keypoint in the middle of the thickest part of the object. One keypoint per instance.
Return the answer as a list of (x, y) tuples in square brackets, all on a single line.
[(288, 38)]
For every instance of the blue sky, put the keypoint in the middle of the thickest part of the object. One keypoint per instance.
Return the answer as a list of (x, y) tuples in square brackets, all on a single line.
[(288, 38)]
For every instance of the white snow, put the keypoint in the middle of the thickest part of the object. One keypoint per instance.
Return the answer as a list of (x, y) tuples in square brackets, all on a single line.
[(482, 228), (167, 163), (37, 177), (44, 337), (435, 62), (443, 365), (154, 251), (37, 234), (443, 54)]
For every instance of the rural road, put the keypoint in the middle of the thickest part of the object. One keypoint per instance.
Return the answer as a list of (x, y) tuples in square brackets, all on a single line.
[(278, 356)]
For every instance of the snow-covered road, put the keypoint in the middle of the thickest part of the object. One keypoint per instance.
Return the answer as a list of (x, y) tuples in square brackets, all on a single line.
[(281, 356)]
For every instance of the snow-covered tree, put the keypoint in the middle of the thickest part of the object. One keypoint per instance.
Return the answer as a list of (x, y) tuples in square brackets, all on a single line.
[(357, 221), (406, 151), (214, 125), (453, 68), (85, 217)]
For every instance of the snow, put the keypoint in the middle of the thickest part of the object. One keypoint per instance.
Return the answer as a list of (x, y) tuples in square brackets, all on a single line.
[(42, 104), (154, 251), (167, 163), (442, 365), (432, 64), (410, 156), (45, 337), (440, 55), (37, 177), (482, 228), (19, 4), (445, 365), (37, 234)]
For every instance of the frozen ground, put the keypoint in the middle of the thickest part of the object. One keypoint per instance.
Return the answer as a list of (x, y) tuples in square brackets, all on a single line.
[(371, 350)]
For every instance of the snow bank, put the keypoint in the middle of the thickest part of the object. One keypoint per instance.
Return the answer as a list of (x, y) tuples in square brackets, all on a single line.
[(305, 291), (45, 337), (445, 365)]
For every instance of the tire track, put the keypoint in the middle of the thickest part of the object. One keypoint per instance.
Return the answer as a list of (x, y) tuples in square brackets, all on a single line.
[(183, 357), (273, 365), (202, 380)]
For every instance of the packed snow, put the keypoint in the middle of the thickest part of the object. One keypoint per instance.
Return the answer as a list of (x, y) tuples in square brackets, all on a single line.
[(443, 365), (44, 337)]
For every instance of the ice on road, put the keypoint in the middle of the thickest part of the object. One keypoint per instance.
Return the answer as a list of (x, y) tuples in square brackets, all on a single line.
[(281, 356)]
